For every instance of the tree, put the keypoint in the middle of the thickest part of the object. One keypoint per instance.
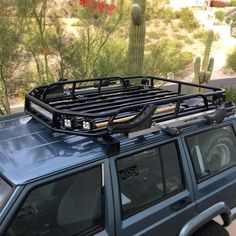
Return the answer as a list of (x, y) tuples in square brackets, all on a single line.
[(80, 53), (34, 22), (10, 58)]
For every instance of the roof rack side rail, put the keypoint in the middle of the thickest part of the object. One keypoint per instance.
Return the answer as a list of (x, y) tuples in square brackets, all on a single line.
[(103, 81)]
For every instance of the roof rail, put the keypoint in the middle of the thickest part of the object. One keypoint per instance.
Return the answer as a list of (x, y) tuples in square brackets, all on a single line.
[(101, 107)]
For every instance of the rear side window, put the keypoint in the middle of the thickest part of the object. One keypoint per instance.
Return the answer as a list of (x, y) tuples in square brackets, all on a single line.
[(148, 177), (69, 206), (212, 151)]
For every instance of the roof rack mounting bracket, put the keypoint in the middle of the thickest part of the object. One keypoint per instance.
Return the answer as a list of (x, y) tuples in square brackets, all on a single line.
[(171, 131), (218, 117), (110, 145)]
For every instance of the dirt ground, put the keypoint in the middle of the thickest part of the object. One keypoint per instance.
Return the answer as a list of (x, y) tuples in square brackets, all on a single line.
[(232, 229)]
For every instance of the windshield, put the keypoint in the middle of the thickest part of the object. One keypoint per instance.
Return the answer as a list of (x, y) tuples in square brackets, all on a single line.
[(5, 190)]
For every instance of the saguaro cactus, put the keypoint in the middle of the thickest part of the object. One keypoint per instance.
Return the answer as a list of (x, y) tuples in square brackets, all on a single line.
[(202, 74), (137, 33)]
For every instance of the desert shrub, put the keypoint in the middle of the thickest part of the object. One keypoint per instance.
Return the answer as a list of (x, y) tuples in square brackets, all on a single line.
[(232, 3), (188, 40), (112, 59), (233, 28), (187, 19), (167, 14), (230, 94), (202, 35), (231, 59), (152, 34), (178, 36), (151, 12), (220, 15), (167, 57)]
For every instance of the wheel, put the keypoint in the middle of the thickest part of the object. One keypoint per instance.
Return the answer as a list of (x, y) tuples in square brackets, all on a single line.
[(218, 150), (211, 229)]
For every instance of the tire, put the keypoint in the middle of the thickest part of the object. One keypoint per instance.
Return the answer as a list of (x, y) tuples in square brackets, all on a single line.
[(218, 150), (211, 229)]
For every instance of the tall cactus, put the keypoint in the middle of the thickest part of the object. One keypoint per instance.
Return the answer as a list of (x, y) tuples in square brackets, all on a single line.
[(137, 33), (202, 74)]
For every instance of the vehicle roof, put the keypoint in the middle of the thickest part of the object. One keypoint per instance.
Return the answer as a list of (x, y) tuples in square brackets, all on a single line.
[(30, 151)]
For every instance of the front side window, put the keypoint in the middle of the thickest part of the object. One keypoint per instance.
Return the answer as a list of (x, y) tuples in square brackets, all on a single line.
[(69, 206), (147, 177), (212, 151), (5, 190)]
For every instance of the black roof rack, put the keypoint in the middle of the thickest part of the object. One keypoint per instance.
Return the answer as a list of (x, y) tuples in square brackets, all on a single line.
[(103, 106)]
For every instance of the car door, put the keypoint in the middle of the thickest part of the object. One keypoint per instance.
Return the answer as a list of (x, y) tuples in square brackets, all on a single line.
[(152, 190), (77, 202), (212, 151)]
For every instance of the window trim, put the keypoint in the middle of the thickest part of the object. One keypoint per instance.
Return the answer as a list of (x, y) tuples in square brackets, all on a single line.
[(165, 197), (205, 130), (58, 177)]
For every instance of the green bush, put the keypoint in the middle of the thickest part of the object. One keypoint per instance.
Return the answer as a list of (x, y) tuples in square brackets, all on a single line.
[(166, 13), (188, 40), (230, 19), (165, 57), (203, 34), (232, 3), (112, 60), (187, 19), (152, 34), (230, 94), (231, 59), (220, 15), (179, 36)]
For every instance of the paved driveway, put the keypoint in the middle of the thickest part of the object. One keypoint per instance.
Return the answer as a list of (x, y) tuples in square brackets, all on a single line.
[(226, 82)]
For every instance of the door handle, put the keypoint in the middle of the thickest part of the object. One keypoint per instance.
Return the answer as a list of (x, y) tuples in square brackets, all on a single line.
[(182, 203)]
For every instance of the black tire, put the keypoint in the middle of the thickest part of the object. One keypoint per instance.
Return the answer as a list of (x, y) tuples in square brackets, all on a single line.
[(218, 150), (211, 229)]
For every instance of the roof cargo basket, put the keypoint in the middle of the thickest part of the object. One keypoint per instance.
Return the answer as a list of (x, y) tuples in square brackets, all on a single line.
[(103, 106)]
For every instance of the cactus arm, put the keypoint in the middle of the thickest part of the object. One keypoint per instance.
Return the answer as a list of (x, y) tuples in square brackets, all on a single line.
[(203, 75), (197, 65), (210, 70), (207, 51)]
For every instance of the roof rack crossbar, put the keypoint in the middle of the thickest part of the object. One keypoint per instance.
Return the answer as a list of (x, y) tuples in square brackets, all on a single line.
[(105, 99)]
